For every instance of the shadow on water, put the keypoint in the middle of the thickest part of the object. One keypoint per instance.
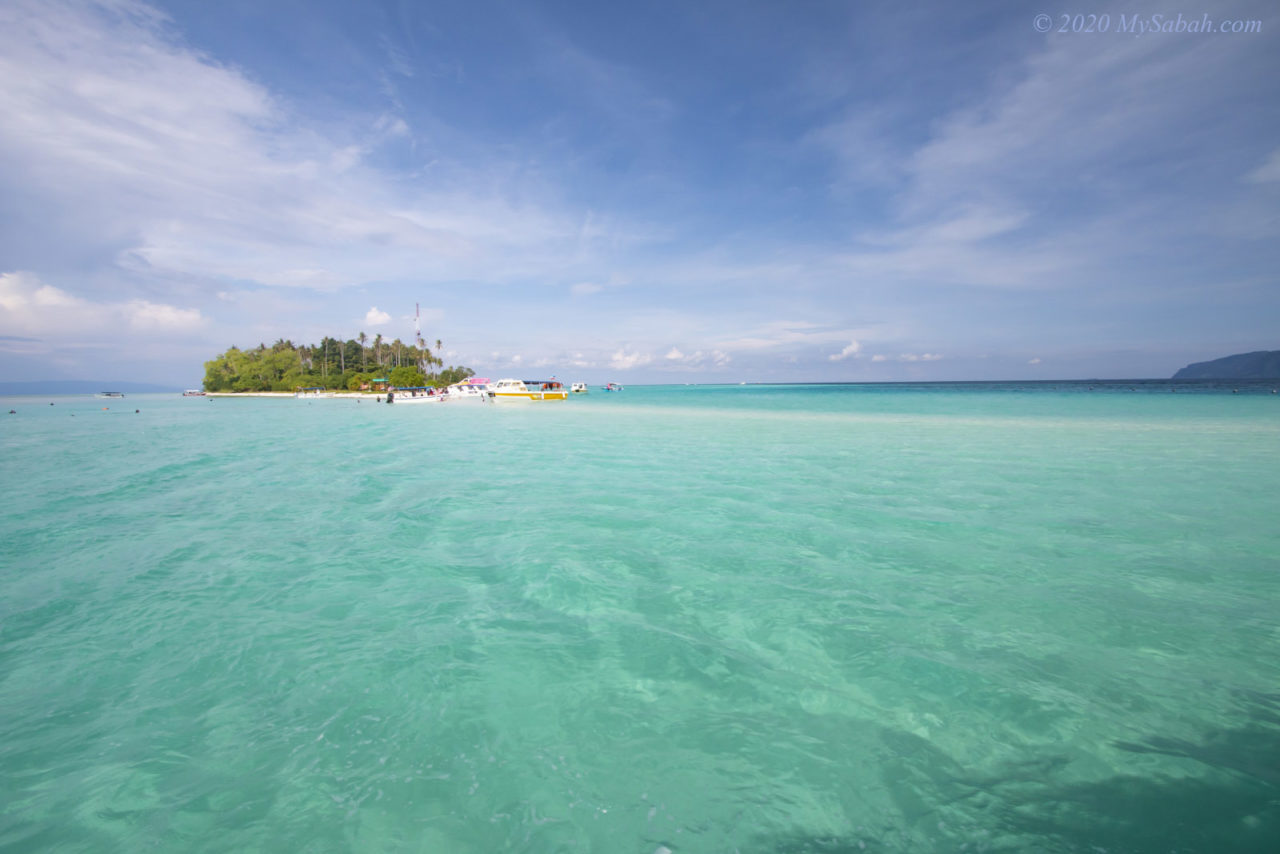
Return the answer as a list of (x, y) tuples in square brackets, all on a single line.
[(1233, 807), (1228, 800)]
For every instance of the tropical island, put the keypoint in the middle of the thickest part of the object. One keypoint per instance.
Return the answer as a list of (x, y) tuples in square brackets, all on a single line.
[(1258, 365), (358, 364)]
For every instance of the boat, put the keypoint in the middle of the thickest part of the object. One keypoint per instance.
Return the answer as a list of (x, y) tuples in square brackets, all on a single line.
[(578, 388), (415, 395), (613, 387), (474, 390), (523, 391), (110, 394), (193, 392), (314, 391)]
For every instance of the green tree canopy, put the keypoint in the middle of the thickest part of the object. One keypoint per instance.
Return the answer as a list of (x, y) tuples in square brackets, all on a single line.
[(331, 364), (406, 377)]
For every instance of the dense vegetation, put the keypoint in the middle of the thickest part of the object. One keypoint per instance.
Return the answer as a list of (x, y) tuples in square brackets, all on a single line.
[(333, 364)]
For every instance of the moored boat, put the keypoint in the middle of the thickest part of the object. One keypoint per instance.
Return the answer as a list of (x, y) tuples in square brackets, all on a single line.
[(613, 387), (314, 391), (416, 394), (193, 392), (578, 388), (474, 390), (524, 391), (110, 394)]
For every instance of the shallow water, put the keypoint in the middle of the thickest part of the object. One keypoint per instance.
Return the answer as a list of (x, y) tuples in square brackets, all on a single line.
[(984, 617)]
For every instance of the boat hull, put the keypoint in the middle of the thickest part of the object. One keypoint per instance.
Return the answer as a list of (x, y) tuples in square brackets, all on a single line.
[(400, 401), (529, 396)]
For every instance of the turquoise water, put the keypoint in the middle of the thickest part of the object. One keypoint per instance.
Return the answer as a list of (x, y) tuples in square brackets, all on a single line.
[(686, 619)]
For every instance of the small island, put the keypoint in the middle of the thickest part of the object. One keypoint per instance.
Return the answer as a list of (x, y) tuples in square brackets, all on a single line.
[(358, 364), (1259, 365)]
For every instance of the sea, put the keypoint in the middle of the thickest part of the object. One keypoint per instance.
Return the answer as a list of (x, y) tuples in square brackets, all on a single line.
[(971, 617)]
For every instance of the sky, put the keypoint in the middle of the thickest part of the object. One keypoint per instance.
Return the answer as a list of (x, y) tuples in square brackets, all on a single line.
[(648, 192)]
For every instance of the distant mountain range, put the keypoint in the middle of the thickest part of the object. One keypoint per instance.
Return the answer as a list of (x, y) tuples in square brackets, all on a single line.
[(1260, 365), (81, 387)]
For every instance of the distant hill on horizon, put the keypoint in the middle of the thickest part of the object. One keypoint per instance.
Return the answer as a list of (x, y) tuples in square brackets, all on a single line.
[(81, 387), (1258, 365)]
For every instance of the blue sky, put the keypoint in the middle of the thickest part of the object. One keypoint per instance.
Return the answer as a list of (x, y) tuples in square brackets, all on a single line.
[(683, 191)]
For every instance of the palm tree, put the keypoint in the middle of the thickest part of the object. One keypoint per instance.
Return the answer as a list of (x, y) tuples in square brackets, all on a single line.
[(364, 364), (377, 343)]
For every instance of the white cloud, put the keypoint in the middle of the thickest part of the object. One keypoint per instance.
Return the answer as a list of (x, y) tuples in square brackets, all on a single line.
[(583, 289), (969, 204), (375, 317), (22, 292), (793, 333), (697, 359), (1268, 171), (33, 307), (715, 358), (1034, 361), (183, 166), (624, 361), (850, 350), (907, 357), (148, 315)]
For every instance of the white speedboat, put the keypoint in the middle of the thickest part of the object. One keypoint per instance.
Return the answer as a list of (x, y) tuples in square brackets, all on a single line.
[(578, 388), (193, 392), (420, 394), (613, 387), (315, 391), (469, 391), (526, 391)]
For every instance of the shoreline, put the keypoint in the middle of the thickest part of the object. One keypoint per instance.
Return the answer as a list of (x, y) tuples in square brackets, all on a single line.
[(288, 395)]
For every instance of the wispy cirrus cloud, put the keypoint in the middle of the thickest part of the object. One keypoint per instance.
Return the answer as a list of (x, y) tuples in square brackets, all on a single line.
[(1269, 171), (230, 184), (1029, 186)]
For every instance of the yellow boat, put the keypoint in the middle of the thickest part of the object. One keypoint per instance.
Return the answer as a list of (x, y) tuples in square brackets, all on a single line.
[(522, 391)]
